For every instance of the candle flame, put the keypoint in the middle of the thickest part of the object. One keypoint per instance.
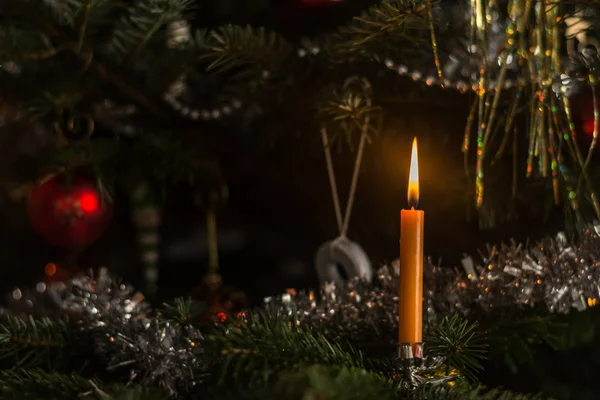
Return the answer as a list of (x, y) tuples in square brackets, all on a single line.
[(413, 177)]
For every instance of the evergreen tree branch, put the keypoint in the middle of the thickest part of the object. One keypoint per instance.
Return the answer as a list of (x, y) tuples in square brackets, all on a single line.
[(128, 90), (37, 384), (84, 22), (42, 14), (61, 36), (232, 46), (460, 392), (382, 27), (139, 25), (332, 383), (37, 55), (348, 109), (514, 333), (314, 382), (460, 342), (24, 42), (30, 342), (184, 310), (86, 16), (255, 350)]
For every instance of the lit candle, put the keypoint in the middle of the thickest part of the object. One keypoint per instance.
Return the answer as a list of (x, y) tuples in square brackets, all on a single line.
[(410, 299)]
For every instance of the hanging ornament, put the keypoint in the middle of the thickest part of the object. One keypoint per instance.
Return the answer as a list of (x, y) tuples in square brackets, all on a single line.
[(342, 254), (582, 103), (69, 211), (341, 259), (147, 217), (222, 299), (211, 200)]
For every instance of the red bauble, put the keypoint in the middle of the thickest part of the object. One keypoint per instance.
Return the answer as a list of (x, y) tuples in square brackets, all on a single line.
[(582, 104), (69, 211)]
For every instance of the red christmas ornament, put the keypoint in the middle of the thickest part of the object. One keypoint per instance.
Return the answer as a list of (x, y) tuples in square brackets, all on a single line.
[(69, 211), (582, 105)]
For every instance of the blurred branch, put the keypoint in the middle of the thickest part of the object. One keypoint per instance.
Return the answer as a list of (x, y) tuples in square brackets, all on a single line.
[(30, 342)]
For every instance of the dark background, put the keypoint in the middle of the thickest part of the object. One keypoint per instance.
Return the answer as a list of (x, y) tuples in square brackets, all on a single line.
[(280, 207)]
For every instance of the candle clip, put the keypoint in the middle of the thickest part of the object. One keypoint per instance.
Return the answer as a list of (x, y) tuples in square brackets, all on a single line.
[(405, 351), (416, 369), (408, 351)]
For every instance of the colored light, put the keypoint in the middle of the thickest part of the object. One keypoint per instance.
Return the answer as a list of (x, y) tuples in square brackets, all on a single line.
[(589, 126), (50, 269), (89, 202)]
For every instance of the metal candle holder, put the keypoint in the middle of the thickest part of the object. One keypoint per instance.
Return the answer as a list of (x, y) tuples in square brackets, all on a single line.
[(416, 369)]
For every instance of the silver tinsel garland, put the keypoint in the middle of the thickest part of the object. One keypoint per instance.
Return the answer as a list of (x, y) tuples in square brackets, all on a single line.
[(554, 273), (115, 319)]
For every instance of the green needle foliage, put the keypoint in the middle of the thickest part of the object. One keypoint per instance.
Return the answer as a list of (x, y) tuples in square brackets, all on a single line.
[(513, 335), (122, 392), (385, 27), (232, 46), (184, 310), (478, 393), (38, 384), (256, 349), (139, 26), (27, 343), (41, 385), (321, 382), (460, 342)]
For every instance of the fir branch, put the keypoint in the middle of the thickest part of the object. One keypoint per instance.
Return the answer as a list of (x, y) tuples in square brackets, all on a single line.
[(514, 333), (140, 23), (87, 6), (332, 383), (96, 153), (60, 35), (129, 392), (384, 25), (347, 110), (45, 15), (232, 46), (86, 16), (460, 342), (138, 97), (256, 349), (446, 392), (38, 55), (25, 42), (184, 310), (169, 159), (37, 384), (30, 342)]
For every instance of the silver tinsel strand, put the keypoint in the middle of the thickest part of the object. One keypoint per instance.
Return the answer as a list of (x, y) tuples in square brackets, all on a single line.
[(115, 317), (553, 273)]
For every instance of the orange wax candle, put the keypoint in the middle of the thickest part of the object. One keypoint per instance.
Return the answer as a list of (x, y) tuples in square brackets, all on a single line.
[(410, 298)]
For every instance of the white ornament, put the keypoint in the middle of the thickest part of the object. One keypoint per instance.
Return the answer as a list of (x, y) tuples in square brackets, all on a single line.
[(342, 253)]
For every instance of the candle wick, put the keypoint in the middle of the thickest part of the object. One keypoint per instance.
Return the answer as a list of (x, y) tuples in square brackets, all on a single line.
[(412, 208)]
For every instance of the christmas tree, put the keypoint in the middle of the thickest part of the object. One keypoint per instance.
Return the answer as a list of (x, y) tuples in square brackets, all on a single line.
[(152, 103)]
